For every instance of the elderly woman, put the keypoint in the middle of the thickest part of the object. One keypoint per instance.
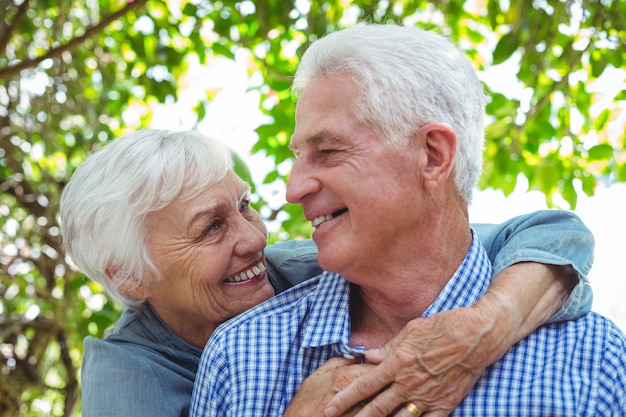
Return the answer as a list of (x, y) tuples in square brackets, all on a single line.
[(162, 222)]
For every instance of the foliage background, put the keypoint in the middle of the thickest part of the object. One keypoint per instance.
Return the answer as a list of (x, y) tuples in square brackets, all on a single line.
[(75, 74)]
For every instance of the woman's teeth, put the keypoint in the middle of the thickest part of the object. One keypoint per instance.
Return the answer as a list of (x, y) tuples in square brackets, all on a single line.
[(256, 270)]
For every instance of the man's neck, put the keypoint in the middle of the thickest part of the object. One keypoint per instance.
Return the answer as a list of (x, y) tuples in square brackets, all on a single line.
[(368, 328), (380, 306)]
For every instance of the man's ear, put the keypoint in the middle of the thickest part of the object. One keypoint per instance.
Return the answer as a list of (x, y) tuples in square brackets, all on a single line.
[(440, 143), (138, 293)]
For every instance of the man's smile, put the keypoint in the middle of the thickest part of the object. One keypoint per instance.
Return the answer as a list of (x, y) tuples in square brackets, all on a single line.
[(321, 219)]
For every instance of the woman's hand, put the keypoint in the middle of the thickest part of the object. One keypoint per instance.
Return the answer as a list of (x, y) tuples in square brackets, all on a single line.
[(435, 361)]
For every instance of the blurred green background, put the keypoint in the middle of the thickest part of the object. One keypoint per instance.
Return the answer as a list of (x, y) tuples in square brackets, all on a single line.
[(76, 74)]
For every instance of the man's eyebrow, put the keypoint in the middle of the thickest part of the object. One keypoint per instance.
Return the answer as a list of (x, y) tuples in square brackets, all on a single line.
[(323, 136), (244, 191)]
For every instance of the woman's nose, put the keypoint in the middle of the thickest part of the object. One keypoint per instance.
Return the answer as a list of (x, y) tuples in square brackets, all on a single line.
[(251, 236)]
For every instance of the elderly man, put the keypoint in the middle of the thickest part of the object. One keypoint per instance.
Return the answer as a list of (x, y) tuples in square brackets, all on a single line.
[(389, 139)]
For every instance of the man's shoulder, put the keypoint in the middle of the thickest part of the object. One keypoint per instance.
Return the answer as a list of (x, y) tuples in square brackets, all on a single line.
[(592, 336), (254, 350), (602, 327), (593, 323)]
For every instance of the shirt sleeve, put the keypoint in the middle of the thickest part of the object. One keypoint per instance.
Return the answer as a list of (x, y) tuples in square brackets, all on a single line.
[(116, 383), (554, 237), (292, 262)]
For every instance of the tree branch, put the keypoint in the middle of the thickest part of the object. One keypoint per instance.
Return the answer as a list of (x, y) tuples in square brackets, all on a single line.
[(21, 12), (55, 52), (71, 383)]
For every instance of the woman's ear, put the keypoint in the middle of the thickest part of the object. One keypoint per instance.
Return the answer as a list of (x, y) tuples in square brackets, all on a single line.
[(440, 143), (138, 293)]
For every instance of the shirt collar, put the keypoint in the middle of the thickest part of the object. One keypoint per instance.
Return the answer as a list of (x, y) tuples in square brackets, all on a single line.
[(469, 282), (328, 322), (329, 315)]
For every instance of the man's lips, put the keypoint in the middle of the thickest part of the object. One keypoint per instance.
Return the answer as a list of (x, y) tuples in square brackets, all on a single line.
[(248, 274), (321, 219)]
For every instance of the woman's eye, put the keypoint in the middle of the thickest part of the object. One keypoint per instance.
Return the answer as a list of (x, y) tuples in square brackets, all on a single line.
[(212, 228)]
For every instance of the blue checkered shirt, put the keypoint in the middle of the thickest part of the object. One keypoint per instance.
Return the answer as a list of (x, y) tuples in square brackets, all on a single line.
[(254, 364)]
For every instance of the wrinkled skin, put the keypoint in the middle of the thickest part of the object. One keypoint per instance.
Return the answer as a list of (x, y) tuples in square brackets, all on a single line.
[(434, 364), (440, 378), (335, 375), (198, 242), (435, 361)]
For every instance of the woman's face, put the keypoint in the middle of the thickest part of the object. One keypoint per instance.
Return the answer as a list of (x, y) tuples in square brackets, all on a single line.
[(210, 251)]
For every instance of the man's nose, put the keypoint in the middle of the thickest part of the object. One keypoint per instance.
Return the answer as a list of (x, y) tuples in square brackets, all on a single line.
[(301, 182)]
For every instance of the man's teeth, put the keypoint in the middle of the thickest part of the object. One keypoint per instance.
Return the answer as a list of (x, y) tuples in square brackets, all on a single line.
[(321, 219), (256, 270)]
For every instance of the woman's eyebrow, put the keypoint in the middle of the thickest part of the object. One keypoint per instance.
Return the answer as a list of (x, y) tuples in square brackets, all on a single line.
[(210, 211)]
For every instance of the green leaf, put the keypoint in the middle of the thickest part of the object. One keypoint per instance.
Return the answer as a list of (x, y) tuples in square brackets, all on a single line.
[(602, 120), (242, 169), (271, 177), (600, 152), (589, 183), (505, 48), (569, 194)]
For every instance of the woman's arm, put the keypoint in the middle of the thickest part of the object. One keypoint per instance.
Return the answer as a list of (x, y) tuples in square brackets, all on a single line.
[(550, 237), (435, 361), (290, 263)]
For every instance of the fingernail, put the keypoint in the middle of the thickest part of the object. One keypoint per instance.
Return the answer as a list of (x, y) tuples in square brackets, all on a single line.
[(330, 411)]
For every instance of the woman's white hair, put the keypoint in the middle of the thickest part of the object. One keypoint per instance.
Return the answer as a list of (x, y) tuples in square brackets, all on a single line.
[(105, 204), (407, 77)]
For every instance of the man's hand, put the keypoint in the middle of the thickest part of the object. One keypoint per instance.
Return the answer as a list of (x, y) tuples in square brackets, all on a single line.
[(323, 384)]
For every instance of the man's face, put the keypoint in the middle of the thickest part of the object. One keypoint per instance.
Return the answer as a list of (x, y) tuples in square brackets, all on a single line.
[(361, 196)]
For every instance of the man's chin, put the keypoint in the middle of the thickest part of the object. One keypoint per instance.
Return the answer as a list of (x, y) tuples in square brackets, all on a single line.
[(328, 260)]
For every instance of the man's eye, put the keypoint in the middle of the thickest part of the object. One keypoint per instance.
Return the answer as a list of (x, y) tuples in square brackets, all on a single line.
[(244, 205), (325, 153)]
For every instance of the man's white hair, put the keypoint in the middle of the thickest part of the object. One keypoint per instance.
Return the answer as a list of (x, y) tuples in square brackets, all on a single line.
[(407, 77)]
